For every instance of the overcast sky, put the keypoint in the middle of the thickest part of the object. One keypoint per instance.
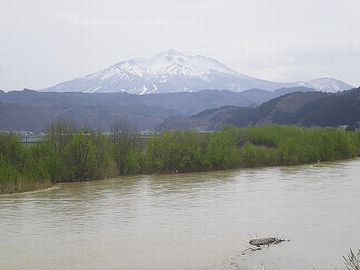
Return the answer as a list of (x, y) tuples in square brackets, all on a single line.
[(44, 42)]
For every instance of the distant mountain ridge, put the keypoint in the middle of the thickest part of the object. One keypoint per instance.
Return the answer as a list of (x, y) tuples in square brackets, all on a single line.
[(205, 110), (299, 108), (171, 71), (326, 85), (32, 110)]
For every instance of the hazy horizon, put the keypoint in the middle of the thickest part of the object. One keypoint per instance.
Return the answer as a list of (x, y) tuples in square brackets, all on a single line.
[(45, 42)]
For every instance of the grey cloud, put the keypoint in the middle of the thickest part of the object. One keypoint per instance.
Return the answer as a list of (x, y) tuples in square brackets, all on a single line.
[(46, 42)]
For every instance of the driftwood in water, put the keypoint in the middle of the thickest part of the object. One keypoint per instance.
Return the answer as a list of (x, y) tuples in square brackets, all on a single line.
[(265, 241), (262, 242), (250, 249)]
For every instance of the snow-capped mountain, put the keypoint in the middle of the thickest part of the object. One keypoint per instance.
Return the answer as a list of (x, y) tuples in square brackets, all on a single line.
[(326, 85), (172, 71)]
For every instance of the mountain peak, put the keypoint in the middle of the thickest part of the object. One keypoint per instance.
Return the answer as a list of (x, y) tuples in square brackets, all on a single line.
[(169, 53), (326, 84), (173, 71)]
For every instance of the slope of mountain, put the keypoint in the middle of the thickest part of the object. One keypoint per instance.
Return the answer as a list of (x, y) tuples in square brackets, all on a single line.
[(299, 108), (22, 117), (98, 110), (172, 71), (33, 111), (326, 85), (94, 110), (338, 109)]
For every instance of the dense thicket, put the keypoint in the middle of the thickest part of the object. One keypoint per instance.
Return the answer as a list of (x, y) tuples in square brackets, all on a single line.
[(71, 154), (23, 168)]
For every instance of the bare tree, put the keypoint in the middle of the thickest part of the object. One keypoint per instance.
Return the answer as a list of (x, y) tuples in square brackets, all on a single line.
[(125, 139), (124, 133), (60, 132)]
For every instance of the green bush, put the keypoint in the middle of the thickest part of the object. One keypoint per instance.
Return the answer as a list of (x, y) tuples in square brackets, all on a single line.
[(72, 154), (177, 151), (19, 170), (222, 150)]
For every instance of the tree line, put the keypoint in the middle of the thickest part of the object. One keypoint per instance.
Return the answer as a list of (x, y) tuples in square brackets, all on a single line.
[(73, 154)]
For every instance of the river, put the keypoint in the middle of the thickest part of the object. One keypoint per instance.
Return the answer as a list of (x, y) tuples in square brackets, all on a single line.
[(187, 221)]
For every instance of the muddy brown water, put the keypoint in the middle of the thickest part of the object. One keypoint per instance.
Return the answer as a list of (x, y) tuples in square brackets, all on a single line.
[(187, 221)]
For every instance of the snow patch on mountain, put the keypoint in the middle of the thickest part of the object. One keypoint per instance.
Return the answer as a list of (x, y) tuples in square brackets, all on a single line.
[(172, 71), (326, 85)]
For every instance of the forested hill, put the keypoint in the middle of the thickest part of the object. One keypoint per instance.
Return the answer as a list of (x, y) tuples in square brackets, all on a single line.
[(33, 111), (304, 109)]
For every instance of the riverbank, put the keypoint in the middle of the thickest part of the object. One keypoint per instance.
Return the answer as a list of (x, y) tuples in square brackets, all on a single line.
[(31, 191), (70, 154), (51, 186), (24, 186)]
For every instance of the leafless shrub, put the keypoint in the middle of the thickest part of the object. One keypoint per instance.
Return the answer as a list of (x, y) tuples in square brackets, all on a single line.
[(124, 133), (352, 261), (60, 131)]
